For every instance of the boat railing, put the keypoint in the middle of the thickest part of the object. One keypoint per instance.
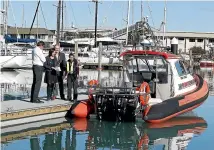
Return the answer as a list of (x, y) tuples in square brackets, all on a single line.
[(117, 91), (14, 52)]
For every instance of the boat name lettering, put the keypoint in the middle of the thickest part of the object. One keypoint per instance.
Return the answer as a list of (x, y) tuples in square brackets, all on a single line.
[(186, 84)]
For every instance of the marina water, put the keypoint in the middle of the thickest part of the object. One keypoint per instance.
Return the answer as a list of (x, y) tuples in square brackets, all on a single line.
[(61, 134)]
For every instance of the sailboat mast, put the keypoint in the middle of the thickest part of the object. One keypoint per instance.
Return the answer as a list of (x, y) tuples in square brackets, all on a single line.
[(58, 22), (62, 26), (37, 18), (164, 24), (127, 26), (34, 16), (95, 34), (23, 16), (141, 10)]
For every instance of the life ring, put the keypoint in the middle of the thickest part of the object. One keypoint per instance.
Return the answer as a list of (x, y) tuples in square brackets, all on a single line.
[(144, 99)]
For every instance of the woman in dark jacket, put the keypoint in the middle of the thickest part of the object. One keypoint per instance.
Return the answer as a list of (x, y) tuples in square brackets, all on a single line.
[(50, 74)]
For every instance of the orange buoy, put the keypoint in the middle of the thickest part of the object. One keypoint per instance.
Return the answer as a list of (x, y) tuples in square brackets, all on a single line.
[(144, 99), (82, 109)]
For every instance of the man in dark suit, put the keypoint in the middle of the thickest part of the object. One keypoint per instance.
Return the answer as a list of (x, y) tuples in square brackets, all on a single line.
[(61, 68)]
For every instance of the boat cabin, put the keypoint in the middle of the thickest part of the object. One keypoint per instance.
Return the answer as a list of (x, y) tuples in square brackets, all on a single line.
[(166, 74)]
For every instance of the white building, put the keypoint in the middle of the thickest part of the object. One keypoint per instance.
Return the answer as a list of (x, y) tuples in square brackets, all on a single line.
[(186, 40)]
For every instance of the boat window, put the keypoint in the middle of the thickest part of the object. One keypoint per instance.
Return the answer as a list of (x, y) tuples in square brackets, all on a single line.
[(180, 68), (80, 54), (142, 66), (132, 66), (85, 55)]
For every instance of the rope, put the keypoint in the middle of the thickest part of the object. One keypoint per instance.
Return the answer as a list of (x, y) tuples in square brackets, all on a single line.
[(73, 13), (43, 16), (150, 11), (14, 20), (105, 17)]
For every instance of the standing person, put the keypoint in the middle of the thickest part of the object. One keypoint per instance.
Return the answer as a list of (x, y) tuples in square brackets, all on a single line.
[(50, 74), (61, 67), (72, 74), (38, 61)]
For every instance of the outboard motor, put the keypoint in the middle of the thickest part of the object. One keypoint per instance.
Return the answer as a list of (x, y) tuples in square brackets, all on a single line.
[(116, 107)]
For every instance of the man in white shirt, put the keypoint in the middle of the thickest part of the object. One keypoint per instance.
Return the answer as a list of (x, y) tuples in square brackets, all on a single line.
[(38, 59)]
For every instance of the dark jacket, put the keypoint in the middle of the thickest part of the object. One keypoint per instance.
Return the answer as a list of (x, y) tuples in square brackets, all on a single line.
[(75, 67), (61, 61), (50, 74)]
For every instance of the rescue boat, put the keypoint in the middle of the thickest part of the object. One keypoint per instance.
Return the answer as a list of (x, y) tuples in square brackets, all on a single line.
[(157, 85), (174, 133)]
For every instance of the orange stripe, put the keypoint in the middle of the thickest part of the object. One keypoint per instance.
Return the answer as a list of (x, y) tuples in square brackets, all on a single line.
[(173, 115), (194, 96), (178, 121)]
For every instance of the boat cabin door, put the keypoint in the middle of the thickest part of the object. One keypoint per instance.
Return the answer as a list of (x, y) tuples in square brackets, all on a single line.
[(163, 80)]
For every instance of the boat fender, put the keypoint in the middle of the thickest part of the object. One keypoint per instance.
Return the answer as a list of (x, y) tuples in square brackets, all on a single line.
[(144, 98), (92, 83)]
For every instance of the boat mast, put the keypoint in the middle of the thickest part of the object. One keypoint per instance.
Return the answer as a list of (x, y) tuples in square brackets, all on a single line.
[(34, 16), (127, 25), (23, 16), (95, 33), (164, 23), (58, 22), (141, 10), (37, 16), (62, 25), (4, 20)]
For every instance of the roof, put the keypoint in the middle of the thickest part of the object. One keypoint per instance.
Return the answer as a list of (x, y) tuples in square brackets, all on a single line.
[(41, 31), (148, 52), (199, 35)]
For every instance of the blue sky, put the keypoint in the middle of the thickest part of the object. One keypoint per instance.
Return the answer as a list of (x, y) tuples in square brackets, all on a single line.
[(181, 15)]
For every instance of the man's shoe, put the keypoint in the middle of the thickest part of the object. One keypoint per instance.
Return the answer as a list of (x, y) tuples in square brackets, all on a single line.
[(39, 101)]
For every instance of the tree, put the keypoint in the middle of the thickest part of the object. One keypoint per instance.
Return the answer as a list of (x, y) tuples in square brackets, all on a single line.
[(197, 50)]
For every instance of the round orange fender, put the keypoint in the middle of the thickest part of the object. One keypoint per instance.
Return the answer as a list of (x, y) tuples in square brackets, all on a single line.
[(91, 83), (144, 99)]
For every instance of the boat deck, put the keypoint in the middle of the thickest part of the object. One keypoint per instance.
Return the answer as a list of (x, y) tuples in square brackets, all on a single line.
[(15, 112)]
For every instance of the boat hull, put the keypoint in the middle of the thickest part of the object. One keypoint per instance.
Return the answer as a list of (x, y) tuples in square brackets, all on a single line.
[(178, 105), (12, 62)]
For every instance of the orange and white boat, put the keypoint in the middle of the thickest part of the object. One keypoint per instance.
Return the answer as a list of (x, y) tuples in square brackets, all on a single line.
[(157, 85)]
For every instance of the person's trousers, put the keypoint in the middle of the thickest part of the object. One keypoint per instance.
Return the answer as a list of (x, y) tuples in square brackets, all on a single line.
[(72, 84), (37, 79), (50, 90), (61, 86)]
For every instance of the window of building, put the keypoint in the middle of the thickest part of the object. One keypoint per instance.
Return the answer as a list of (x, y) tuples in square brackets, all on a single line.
[(181, 39), (211, 40), (180, 68), (191, 40), (200, 40)]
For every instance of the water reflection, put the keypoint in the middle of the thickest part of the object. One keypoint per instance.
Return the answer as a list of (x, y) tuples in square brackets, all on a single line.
[(208, 75), (92, 134)]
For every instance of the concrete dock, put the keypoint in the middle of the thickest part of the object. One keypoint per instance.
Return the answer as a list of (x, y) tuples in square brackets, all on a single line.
[(16, 112)]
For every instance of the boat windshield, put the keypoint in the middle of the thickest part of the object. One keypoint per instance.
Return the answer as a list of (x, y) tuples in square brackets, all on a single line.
[(140, 64), (140, 69)]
